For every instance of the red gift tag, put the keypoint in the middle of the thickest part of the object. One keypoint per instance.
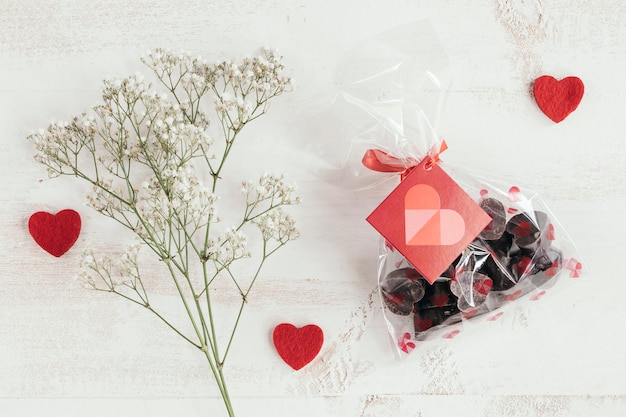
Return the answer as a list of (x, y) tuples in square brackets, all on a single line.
[(429, 219)]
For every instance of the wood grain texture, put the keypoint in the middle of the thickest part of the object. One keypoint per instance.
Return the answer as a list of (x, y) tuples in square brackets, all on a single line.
[(67, 351)]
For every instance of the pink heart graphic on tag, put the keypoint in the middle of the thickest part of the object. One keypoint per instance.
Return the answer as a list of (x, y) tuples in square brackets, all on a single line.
[(426, 223)]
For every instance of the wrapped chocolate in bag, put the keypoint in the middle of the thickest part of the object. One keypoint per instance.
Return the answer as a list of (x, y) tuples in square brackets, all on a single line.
[(520, 250), (454, 245)]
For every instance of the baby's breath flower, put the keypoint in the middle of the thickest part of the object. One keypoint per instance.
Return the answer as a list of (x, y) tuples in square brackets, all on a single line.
[(145, 150), (97, 270), (228, 247), (272, 187), (277, 225)]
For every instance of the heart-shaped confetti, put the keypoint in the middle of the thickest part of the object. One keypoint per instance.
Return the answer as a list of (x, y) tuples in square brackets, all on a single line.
[(513, 296), (574, 266), (452, 334), (55, 233), (496, 316), (557, 99), (298, 346), (405, 343), (515, 194), (537, 296), (469, 314)]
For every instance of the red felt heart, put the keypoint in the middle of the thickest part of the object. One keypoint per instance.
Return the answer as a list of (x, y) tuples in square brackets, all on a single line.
[(557, 99), (55, 233), (426, 223), (298, 346)]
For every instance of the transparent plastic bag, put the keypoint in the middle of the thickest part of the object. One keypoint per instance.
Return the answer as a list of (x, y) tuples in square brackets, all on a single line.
[(523, 251), (391, 92)]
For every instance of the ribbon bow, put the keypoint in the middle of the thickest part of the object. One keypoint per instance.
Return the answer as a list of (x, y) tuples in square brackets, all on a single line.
[(381, 161)]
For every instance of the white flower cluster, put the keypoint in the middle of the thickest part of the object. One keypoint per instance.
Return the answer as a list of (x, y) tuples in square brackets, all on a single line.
[(264, 200), (227, 247), (269, 187), (176, 193), (128, 262), (241, 89), (277, 225), (103, 274), (161, 130), (95, 270), (102, 198), (59, 145)]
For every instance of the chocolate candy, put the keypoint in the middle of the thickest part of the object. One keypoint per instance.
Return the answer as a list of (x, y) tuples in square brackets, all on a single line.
[(548, 264), (437, 306), (401, 289), (497, 268), (495, 210), (522, 266), (527, 230), (471, 289), (501, 246)]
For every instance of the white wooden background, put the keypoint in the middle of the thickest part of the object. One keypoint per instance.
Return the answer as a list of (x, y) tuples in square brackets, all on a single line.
[(66, 351)]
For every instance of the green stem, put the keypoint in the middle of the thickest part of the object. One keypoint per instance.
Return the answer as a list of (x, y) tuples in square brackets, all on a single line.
[(221, 384), (244, 299), (210, 313)]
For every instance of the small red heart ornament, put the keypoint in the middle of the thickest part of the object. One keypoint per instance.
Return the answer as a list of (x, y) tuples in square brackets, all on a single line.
[(298, 346), (558, 98), (55, 233)]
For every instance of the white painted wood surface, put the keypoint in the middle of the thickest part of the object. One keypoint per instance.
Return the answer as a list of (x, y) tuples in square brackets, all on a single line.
[(66, 351)]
